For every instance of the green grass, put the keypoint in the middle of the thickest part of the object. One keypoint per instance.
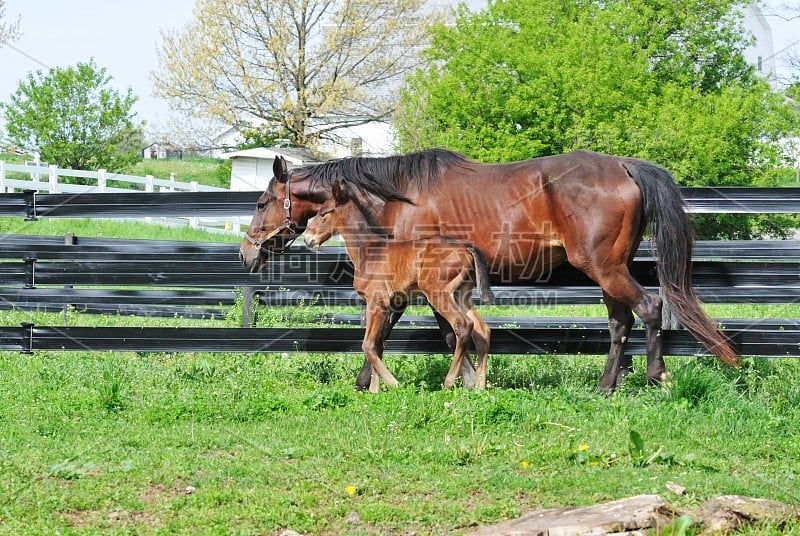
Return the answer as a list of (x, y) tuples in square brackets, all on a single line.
[(245, 444), (100, 228), (208, 171), (193, 443), (138, 443)]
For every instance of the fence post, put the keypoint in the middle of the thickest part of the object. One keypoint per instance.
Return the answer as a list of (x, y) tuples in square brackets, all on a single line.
[(30, 204), (193, 222), (101, 180), (172, 182), (148, 187), (53, 179), (27, 338), (30, 271), (2, 177), (232, 225), (247, 306), (69, 240)]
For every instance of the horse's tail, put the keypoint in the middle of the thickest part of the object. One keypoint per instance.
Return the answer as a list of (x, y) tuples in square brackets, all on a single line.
[(482, 275), (671, 235)]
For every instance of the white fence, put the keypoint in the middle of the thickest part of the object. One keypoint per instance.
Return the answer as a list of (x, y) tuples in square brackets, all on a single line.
[(43, 178)]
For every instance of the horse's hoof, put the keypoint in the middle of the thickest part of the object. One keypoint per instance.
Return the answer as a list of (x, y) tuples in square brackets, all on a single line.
[(661, 379), (666, 381), (605, 389)]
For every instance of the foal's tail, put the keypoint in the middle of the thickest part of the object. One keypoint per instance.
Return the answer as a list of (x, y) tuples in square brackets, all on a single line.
[(482, 275), (671, 235)]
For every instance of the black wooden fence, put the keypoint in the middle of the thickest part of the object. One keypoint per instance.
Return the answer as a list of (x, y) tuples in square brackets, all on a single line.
[(201, 279)]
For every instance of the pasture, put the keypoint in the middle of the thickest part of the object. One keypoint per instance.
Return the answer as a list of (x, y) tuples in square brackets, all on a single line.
[(163, 443), (137, 443), (126, 443)]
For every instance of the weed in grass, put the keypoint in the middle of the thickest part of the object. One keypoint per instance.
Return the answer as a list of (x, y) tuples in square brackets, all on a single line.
[(326, 399), (199, 369), (642, 458), (681, 526), (71, 470), (326, 368), (695, 383), (109, 388)]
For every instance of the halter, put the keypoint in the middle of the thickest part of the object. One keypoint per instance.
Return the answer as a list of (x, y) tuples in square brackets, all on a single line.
[(287, 224)]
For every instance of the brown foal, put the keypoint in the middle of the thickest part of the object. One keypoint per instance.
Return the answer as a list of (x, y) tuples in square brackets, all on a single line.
[(389, 274)]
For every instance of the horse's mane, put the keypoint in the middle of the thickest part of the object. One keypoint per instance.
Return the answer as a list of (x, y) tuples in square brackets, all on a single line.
[(389, 178)]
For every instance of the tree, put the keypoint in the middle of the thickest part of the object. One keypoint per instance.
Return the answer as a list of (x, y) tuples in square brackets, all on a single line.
[(8, 32), (663, 80), (790, 11), (74, 119), (306, 67)]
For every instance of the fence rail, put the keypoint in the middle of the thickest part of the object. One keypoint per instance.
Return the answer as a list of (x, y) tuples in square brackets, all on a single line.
[(30, 338), (99, 178), (43, 181), (201, 279), (230, 204), (37, 268)]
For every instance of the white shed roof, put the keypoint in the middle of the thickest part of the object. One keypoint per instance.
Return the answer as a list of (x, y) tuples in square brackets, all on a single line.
[(294, 156)]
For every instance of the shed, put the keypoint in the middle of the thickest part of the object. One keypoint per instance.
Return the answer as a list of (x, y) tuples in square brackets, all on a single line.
[(251, 169), (161, 150)]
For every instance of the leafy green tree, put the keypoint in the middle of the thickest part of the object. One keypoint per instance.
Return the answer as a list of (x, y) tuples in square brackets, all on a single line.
[(664, 80), (74, 118)]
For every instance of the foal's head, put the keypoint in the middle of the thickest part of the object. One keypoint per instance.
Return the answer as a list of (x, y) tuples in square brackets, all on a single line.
[(331, 220)]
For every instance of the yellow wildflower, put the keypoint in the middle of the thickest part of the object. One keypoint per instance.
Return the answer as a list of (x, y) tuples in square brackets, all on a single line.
[(350, 490), (524, 464), (583, 447)]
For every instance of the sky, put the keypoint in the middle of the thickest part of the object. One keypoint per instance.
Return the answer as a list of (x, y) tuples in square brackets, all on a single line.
[(120, 35), (123, 36)]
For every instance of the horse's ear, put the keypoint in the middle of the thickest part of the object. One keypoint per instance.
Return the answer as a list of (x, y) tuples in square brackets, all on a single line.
[(338, 192), (279, 169)]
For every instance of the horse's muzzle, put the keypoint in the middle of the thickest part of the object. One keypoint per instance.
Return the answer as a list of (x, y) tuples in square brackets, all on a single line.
[(250, 259), (312, 244)]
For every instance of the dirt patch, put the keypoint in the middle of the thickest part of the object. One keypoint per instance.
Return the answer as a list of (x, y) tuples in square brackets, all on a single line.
[(155, 497), (158, 494), (95, 518)]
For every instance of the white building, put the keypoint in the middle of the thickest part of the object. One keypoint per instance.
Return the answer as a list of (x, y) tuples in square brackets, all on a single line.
[(375, 138), (761, 54), (251, 169)]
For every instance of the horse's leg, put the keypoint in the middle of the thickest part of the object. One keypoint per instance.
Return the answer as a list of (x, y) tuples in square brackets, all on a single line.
[(480, 337), (366, 375), (467, 368), (378, 314), (620, 285), (649, 310), (480, 334), (446, 305), (620, 322)]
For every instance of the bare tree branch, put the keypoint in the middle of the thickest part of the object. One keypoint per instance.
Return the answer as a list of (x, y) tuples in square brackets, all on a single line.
[(294, 64)]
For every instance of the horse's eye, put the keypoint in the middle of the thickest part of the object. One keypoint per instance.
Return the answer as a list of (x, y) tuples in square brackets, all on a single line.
[(261, 205)]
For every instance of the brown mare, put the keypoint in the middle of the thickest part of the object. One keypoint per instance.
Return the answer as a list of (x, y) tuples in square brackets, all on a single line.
[(388, 274), (526, 217)]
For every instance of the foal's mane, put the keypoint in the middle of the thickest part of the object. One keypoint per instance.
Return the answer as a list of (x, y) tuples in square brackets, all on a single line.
[(389, 178)]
